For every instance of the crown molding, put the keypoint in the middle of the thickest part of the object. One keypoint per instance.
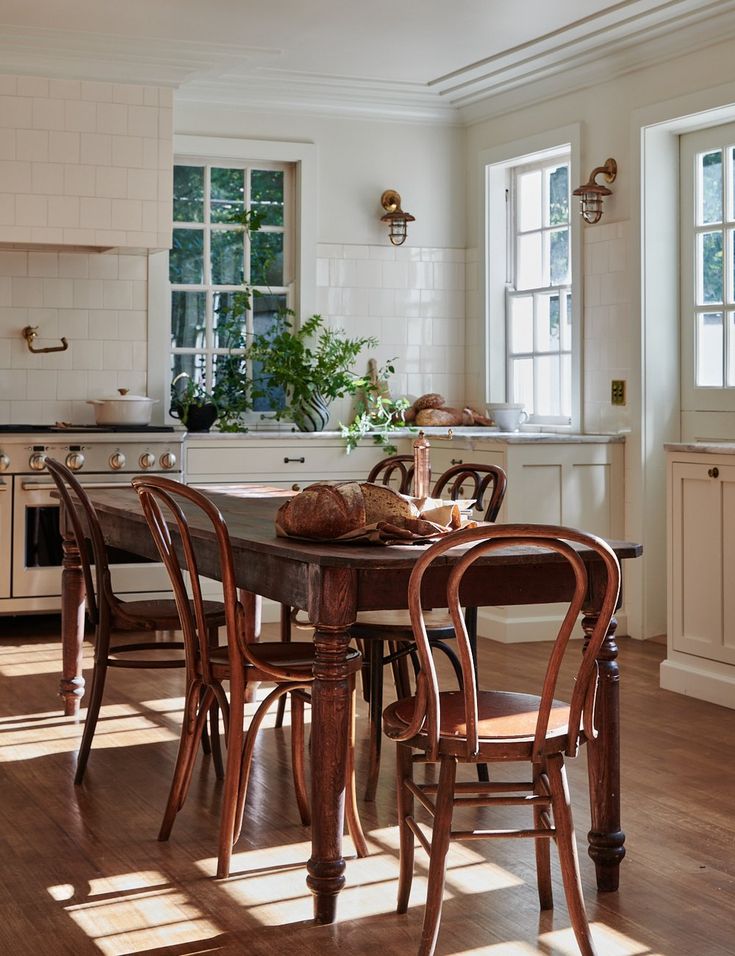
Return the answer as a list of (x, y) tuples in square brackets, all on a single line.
[(624, 37)]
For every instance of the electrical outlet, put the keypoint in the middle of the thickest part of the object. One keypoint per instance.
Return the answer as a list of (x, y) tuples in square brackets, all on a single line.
[(617, 391)]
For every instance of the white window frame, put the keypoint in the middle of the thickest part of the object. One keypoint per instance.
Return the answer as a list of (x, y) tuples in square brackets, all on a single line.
[(495, 165), (302, 297), (697, 399)]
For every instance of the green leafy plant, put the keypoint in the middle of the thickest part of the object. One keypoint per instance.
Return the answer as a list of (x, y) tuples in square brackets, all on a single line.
[(376, 414), (293, 364)]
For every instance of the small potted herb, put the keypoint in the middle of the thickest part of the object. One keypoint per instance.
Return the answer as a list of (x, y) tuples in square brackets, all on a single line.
[(192, 404)]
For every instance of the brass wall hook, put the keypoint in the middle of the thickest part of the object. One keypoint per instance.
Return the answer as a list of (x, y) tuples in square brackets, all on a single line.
[(30, 333)]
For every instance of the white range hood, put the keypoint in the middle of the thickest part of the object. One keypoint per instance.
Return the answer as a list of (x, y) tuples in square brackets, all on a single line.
[(86, 165)]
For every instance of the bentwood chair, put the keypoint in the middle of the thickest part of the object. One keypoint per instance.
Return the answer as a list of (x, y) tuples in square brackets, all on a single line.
[(242, 662), (108, 614), (449, 728), (486, 484)]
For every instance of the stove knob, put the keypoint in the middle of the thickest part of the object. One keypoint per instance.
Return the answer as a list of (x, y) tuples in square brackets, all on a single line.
[(168, 460), (37, 462), (117, 460), (74, 460), (4, 462), (147, 460)]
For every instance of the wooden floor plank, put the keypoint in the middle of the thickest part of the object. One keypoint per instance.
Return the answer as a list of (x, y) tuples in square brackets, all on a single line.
[(83, 873)]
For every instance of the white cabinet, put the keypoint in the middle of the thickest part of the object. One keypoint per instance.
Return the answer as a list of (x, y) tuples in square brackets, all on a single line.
[(289, 460), (701, 571), (576, 484)]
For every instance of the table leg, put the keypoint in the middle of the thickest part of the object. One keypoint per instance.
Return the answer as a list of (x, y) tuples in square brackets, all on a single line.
[(71, 686), (330, 728), (606, 837)]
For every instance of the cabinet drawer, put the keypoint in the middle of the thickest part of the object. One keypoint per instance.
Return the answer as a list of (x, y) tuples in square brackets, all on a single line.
[(297, 460)]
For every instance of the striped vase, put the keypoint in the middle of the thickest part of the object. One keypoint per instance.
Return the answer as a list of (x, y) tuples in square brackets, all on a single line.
[(312, 414)]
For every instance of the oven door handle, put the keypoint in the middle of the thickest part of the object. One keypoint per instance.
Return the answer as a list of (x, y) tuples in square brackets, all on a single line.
[(50, 486)]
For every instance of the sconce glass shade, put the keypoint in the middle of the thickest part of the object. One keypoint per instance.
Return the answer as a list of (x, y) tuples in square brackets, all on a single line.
[(396, 218), (591, 193)]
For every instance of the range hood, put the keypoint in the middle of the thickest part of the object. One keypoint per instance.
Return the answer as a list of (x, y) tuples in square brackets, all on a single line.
[(87, 165)]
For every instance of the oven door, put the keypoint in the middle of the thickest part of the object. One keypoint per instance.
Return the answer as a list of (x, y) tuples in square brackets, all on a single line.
[(37, 553), (6, 525)]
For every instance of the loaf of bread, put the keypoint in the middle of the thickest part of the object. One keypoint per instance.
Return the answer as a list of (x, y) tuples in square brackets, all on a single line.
[(324, 511)]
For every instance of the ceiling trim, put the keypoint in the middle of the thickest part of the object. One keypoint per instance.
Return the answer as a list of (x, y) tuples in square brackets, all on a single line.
[(627, 36)]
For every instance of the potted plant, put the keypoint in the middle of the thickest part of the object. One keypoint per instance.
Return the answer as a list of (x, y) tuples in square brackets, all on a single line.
[(192, 404), (305, 369)]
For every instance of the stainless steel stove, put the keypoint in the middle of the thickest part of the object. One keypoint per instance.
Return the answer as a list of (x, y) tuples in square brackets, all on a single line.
[(30, 543)]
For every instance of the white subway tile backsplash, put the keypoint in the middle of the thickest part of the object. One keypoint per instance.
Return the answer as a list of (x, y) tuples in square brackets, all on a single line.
[(99, 92), (79, 180), (15, 176), (127, 151), (46, 114), (43, 264), (13, 384), (87, 355), (88, 294), (32, 145), (112, 118), (103, 266), (143, 121), (394, 275), (58, 293), (95, 213), (81, 116), (31, 210), (26, 292), (133, 267), (133, 326), (42, 384), (63, 211), (8, 140), (72, 384), (5, 292), (96, 149), (47, 178), (65, 89), (112, 182), (16, 112), (33, 86), (420, 275), (117, 355)]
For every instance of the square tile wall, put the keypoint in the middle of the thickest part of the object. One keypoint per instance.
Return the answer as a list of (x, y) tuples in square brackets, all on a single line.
[(98, 302), (411, 300)]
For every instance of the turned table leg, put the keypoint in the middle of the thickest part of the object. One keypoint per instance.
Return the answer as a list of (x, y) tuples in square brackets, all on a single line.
[(606, 838), (71, 687), (330, 723)]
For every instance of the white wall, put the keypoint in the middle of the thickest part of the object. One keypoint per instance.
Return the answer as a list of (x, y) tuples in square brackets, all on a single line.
[(610, 115)]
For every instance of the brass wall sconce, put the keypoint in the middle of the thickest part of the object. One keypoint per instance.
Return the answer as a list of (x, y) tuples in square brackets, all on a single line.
[(591, 193), (395, 216), (30, 334)]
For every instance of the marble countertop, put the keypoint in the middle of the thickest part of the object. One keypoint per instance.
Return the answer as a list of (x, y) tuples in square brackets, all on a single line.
[(484, 434), (702, 447)]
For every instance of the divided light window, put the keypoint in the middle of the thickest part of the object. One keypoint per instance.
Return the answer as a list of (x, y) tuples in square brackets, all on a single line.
[(539, 293), (213, 258)]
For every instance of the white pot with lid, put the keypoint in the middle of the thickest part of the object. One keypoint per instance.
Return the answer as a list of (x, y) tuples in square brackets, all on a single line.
[(123, 409)]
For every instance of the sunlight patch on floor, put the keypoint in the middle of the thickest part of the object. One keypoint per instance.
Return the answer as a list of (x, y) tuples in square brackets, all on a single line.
[(127, 913), (608, 942), (29, 736)]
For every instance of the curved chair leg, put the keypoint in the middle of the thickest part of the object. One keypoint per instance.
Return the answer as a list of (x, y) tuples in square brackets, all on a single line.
[(99, 674), (542, 847), (404, 771), (195, 716), (352, 815), (215, 741), (567, 847), (375, 731), (285, 638), (297, 756), (438, 860)]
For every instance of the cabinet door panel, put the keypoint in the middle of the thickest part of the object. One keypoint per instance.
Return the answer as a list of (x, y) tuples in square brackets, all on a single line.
[(537, 494), (702, 560), (588, 499)]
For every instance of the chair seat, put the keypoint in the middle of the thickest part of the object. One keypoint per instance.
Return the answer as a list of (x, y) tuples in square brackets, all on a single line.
[(506, 723), (159, 615), (381, 623), (293, 654)]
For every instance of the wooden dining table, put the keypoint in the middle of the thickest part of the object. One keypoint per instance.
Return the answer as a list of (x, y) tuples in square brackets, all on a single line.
[(331, 583)]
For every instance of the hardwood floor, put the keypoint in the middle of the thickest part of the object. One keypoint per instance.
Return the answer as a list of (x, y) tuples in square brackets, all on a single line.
[(83, 873)]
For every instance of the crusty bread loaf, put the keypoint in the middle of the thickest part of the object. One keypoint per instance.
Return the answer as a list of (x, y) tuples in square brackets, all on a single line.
[(324, 511), (440, 417), (384, 504)]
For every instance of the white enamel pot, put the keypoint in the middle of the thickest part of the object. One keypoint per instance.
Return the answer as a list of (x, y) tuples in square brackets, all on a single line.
[(123, 409)]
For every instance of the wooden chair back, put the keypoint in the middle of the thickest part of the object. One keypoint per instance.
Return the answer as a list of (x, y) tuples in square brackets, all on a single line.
[(88, 536), (160, 496), (396, 471), (482, 541), (487, 485)]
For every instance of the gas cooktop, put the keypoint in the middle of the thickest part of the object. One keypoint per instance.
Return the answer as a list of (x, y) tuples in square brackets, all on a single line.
[(64, 427)]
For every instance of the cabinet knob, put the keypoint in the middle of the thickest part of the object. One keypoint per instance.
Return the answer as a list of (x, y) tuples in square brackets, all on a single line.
[(456, 461), (714, 472), (295, 487), (299, 460)]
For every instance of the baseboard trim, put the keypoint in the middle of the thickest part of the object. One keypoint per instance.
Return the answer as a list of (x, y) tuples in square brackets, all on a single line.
[(692, 681)]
